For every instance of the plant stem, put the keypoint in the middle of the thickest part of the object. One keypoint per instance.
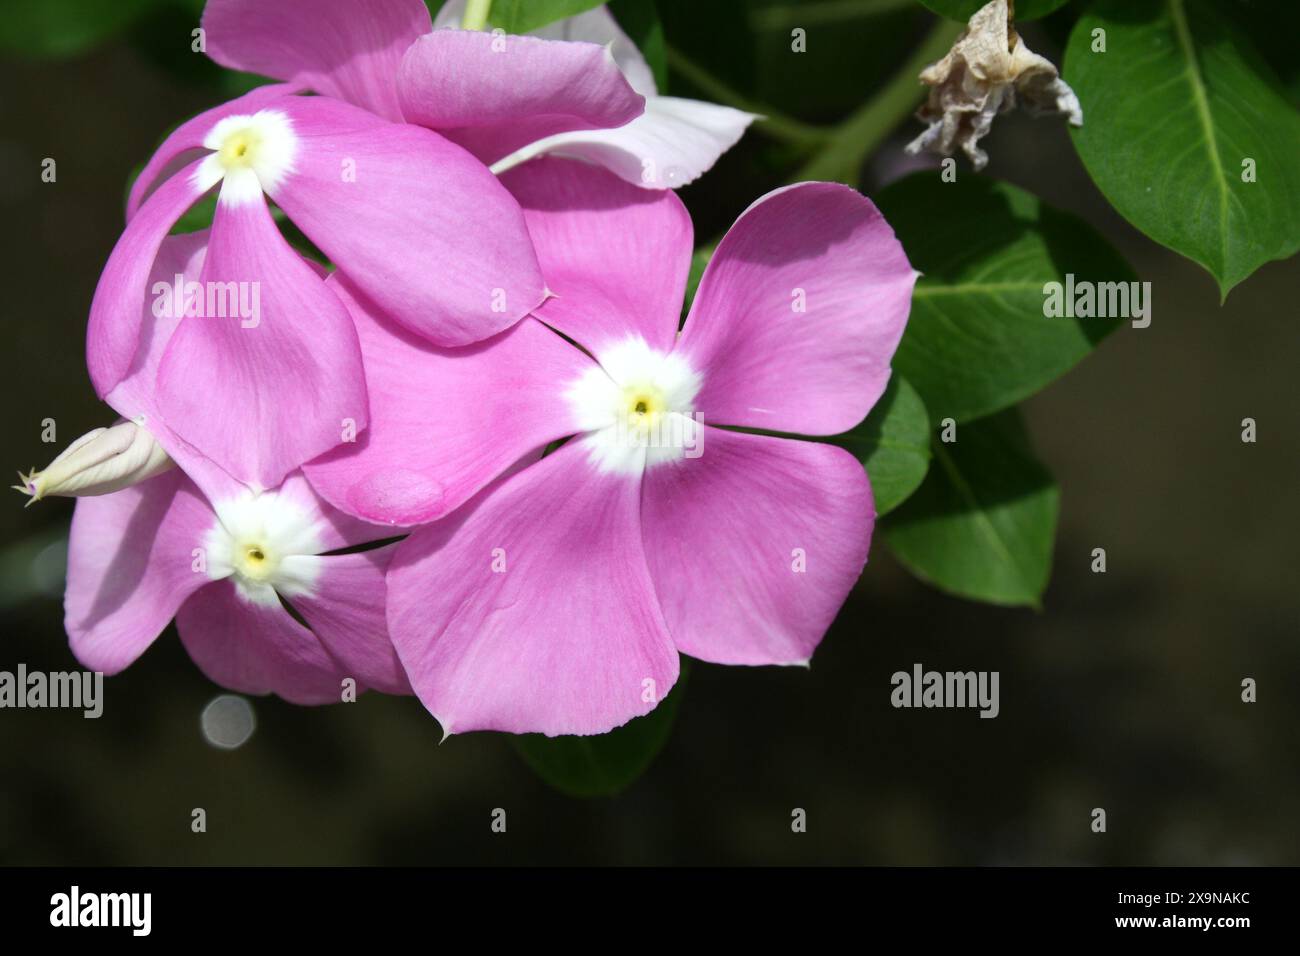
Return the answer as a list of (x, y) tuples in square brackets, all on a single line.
[(475, 16), (769, 121), (853, 140)]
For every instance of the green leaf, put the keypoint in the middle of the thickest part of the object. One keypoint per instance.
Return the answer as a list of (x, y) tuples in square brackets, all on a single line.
[(893, 444), (640, 21), (524, 16), (56, 29), (602, 765), (982, 523), (965, 9), (977, 340), (1172, 109)]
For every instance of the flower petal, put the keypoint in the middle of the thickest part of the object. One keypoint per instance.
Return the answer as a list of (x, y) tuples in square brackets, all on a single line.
[(755, 544), (615, 257), (530, 609), (257, 649), (135, 397), (113, 330), (674, 142), (340, 48), (422, 228), (494, 93), (131, 567), (346, 613), (444, 423), (799, 313), (275, 382)]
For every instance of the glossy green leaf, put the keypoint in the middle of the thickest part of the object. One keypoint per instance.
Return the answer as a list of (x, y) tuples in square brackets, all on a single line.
[(1025, 9), (524, 16), (977, 339), (1177, 111), (63, 28), (640, 21), (893, 444), (981, 525), (603, 765)]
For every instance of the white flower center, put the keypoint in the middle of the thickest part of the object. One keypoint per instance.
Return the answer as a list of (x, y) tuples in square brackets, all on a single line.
[(637, 408), (250, 154), (267, 543)]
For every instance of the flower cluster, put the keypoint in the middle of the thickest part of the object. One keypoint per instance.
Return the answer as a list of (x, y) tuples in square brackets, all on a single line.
[(477, 456)]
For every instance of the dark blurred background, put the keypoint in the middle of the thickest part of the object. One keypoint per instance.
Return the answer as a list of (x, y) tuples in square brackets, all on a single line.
[(1123, 693)]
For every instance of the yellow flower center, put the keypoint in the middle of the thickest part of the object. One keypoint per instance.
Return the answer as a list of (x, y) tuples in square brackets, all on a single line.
[(254, 562), (644, 404), (239, 149)]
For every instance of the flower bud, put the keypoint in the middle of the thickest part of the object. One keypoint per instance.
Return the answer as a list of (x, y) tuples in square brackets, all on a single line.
[(98, 463)]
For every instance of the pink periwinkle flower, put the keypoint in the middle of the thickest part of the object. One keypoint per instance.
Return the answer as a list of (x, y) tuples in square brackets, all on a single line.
[(225, 567), (555, 595)]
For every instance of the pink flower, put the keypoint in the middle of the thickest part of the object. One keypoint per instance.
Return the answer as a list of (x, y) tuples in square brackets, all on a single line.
[(556, 598), (579, 87), (223, 567), (425, 230)]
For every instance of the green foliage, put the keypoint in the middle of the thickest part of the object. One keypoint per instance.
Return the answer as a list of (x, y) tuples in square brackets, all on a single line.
[(965, 9), (893, 444), (603, 765), (982, 523), (977, 340), (523, 16), (56, 29), (1175, 110)]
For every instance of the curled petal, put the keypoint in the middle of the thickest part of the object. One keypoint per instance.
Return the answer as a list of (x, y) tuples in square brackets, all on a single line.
[(113, 331), (673, 143), (494, 93), (267, 374)]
